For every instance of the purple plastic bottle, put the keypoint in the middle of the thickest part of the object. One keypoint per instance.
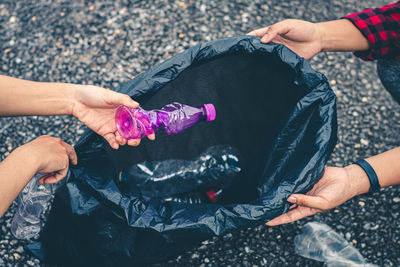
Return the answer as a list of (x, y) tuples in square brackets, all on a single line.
[(173, 118)]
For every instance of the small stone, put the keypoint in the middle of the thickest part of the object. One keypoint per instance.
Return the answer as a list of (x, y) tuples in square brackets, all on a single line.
[(336, 211), (364, 142), (354, 241), (33, 18), (357, 145), (20, 250), (91, 8), (18, 60), (333, 82), (364, 99), (396, 199), (206, 260), (58, 44), (9, 148), (16, 256), (195, 256), (361, 203), (363, 245), (181, 35), (348, 235), (182, 5), (12, 19)]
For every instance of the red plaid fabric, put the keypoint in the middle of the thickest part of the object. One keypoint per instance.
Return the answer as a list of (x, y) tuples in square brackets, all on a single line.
[(381, 26)]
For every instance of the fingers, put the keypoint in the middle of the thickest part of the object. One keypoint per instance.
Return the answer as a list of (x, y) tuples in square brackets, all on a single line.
[(152, 136), (56, 177), (114, 98), (133, 142), (71, 153), (292, 215), (315, 202), (121, 141), (306, 206), (268, 34), (259, 32), (111, 139)]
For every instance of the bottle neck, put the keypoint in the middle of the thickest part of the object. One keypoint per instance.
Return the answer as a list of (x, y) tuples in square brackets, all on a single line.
[(203, 113)]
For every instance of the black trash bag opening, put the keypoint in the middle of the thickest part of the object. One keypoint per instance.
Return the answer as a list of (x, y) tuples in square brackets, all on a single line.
[(271, 106), (253, 95)]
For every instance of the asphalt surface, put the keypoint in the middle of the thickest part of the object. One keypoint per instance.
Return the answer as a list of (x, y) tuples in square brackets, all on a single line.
[(107, 42)]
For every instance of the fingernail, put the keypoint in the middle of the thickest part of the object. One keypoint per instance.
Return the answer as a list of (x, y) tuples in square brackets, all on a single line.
[(292, 199), (264, 38)]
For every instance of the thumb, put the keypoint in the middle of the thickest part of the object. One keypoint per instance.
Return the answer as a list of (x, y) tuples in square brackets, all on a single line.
[(315, 202), (279, 28), (114, 98), (259, 32)]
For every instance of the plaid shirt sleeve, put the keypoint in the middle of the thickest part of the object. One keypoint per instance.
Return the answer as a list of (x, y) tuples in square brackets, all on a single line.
[(381, 26)]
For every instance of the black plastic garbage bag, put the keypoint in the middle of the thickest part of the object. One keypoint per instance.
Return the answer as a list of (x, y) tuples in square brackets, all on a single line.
[(278, 112)]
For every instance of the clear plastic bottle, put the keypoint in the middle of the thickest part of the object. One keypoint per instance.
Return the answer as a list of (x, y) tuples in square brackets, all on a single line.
[(210, 196), (32, 203), (214, 168), (173, 118), (319, 242)]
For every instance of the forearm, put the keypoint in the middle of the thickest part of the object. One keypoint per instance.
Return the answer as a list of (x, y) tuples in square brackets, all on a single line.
[(21, 97), (15, 172), (386, 166), (341, 35)]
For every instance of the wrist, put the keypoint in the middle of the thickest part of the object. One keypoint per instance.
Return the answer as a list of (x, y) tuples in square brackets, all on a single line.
[(359, 181), (341, 35), (70, 91), (28, 156)]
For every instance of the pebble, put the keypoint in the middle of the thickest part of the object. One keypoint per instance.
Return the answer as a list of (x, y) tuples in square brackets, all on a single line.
[(364, 142)]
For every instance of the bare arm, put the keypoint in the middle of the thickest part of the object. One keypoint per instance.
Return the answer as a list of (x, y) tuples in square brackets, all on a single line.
[(341, 35), (92, 105), (21, 97), (341, 184), (47, 155), (308, 39)]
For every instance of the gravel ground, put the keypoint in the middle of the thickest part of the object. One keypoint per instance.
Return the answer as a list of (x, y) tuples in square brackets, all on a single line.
[(107, 42)]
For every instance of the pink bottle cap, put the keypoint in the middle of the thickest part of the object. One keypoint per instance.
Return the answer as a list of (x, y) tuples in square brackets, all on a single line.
[(211, 113)]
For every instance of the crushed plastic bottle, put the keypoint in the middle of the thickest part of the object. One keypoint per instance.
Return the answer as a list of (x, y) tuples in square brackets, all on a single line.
[(319, 242), (210, 196), (214, 168), (173, 118), (32, 203)]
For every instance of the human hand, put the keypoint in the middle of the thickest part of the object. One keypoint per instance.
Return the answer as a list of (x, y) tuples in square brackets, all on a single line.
[(95, 107), (336, 186), (302, 37), (51, 156)]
